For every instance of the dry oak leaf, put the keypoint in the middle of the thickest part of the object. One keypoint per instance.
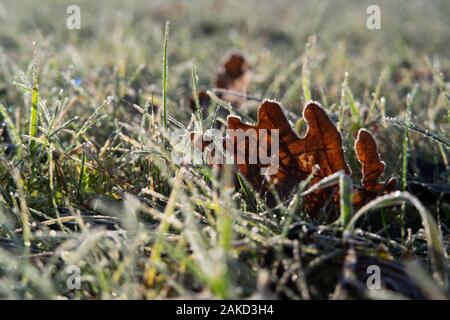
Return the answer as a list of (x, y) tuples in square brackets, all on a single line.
[(321, 145), (233, 75), (372, 168)]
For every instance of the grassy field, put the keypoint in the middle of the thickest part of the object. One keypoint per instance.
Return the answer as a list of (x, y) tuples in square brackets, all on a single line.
[(93, 207)]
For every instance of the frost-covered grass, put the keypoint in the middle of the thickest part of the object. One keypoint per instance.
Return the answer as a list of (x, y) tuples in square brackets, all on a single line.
[(87, 181)]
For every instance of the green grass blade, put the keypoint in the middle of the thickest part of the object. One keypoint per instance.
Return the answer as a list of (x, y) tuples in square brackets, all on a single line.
[(165, 74), (34, 115), (409, 101), (345, 193)]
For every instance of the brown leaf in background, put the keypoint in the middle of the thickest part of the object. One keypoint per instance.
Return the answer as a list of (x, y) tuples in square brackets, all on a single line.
[(233, 75), (372, 168)]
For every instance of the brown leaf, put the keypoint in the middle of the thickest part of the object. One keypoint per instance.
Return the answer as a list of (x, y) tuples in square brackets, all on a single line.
[(372, 168), (321, 145), (233, 75)]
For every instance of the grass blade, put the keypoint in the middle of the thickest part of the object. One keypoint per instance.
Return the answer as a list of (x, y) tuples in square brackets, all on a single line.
[(164, 74), (198, 108), (345, 192), (436, 252), (34, 112)]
